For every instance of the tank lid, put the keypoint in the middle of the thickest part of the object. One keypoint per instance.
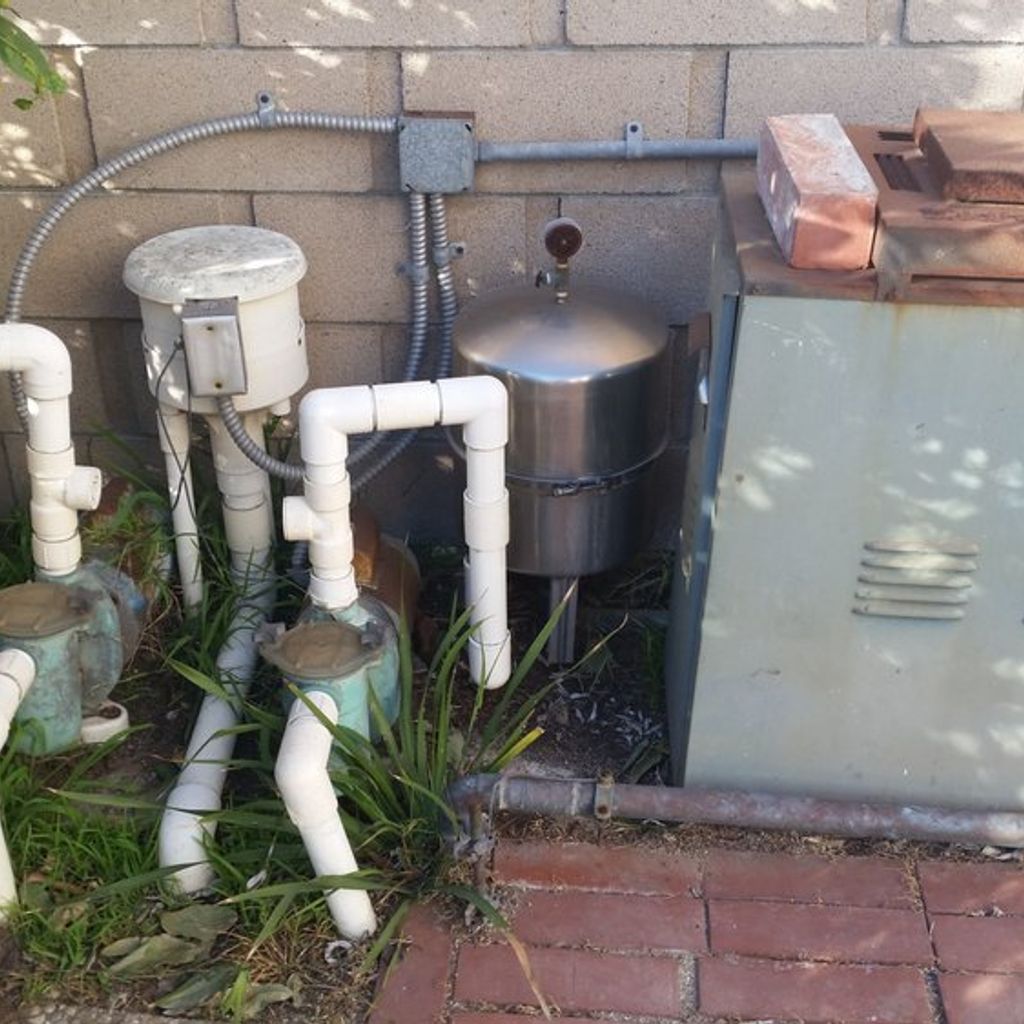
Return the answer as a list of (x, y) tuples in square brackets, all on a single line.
[(214, 262), (527, 334), (321, 650), (38, 609)]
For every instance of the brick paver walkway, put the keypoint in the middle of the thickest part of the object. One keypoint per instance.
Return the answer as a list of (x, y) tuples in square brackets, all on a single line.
[(627, 934)]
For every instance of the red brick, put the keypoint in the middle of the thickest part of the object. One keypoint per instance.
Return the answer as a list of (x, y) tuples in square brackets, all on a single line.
[(808, 932), (813, 993), (511, 1018), (415, 990), (990, 944), (610, 920), (606, 868), (982, 998), (851, 881), (972, 888), (818, 195), (572, 979)]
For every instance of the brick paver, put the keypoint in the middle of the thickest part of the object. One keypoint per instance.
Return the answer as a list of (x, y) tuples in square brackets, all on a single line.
[(850, 881), (813, 993), (611, 920), (982, 998), (415, 991), (615, 930), (986, 944), (606, 868), (803, 931), (950, 888), (572, 979)]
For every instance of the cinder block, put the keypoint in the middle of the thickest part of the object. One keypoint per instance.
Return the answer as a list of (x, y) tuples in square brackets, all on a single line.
[(78, 273), (657, 248), (965, 21), (559, 94), (419, 496), (547, 22), (380, 23), (816, 191), (115, 22), (125, 453), (355, 245), (394, 340), (343, 354), (763, 83), (135, 94), (885, 21), (723, 23), (219, 23), (48, 144)]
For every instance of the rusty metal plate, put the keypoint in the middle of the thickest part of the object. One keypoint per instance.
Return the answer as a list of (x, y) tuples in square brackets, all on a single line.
[(974, 155)]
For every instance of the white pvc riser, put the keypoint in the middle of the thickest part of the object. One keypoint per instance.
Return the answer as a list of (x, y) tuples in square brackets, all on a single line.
[(248, 524), (59, 488), (17, 674), (328, 416), (302, 777)]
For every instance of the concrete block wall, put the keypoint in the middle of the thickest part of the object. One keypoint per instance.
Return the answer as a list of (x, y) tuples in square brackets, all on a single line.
[(529, 69)]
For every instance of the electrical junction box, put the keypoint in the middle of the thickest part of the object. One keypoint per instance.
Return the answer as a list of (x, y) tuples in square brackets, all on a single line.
[(213, 347), (848, 602), (436, 152)]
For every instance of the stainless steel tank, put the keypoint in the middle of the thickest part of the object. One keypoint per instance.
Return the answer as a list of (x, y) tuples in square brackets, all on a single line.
[(587, 371)]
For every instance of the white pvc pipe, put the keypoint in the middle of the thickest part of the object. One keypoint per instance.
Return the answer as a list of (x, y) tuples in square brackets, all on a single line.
[(248, 524), (175, 442), (301, 776), (17, 674), (60, 489), (480, 404)]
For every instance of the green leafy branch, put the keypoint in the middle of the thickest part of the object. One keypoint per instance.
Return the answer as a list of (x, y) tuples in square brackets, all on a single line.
[(25, 59)]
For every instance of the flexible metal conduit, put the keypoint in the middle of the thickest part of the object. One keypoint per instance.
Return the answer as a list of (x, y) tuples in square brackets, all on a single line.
[(441, 253), (855, 819), (266, 118), (617, 149)]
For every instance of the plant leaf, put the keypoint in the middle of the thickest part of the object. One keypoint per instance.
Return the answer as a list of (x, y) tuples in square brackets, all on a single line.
[(152, 955), (201, 921), (259, 997), (198, 988), (21, 54)]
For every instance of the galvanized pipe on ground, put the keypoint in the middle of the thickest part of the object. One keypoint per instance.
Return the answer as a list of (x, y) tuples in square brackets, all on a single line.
[(853, 819)]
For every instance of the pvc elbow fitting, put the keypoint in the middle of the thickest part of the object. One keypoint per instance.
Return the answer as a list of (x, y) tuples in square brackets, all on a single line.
[(40, 356)]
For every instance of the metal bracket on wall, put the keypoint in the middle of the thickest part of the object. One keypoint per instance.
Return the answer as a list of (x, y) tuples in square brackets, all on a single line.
[(436, 154), (634, 140)]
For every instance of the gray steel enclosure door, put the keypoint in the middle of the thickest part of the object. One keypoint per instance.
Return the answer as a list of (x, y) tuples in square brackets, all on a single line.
[(862, 632)]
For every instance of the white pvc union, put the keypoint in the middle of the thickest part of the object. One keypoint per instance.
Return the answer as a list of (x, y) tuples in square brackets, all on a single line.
[(261, 270)]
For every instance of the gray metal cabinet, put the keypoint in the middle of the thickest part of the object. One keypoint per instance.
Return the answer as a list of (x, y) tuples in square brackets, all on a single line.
[(849, 593)]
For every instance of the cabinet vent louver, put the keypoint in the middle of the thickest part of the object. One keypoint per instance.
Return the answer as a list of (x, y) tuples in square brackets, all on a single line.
[(910, 579)]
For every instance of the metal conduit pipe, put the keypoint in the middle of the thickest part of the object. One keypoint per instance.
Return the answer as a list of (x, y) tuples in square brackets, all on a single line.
[(449, 308), (617, 149), (419, 279), (263, 119), (473, 794)]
